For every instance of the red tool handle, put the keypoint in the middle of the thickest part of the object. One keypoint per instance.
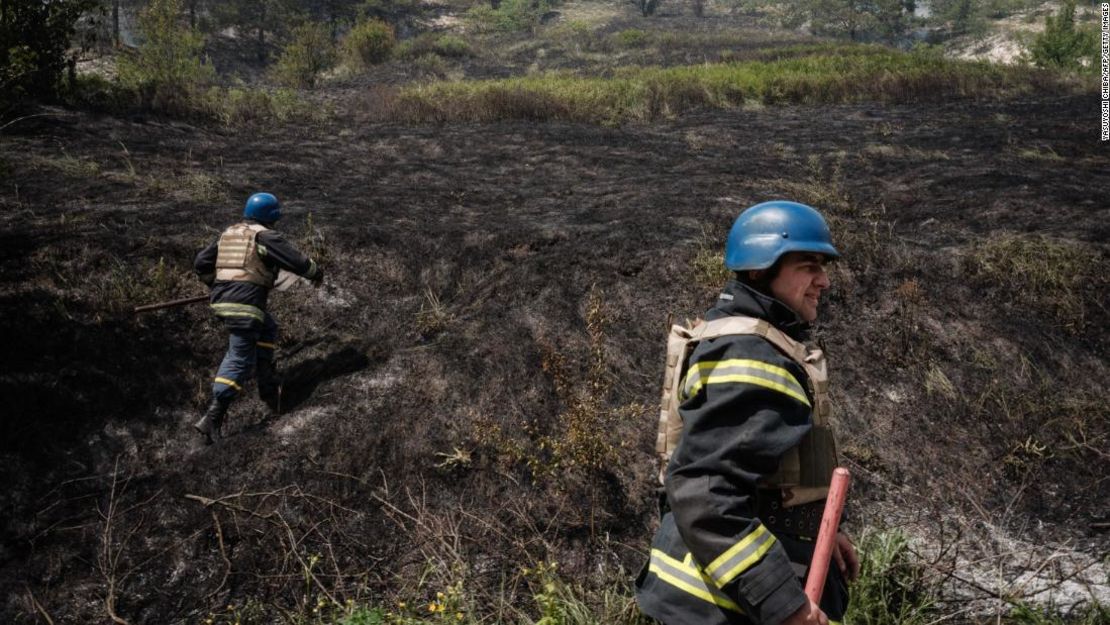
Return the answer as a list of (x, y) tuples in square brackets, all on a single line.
[(826, 536)]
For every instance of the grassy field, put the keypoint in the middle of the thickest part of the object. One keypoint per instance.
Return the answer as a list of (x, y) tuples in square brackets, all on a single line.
[(817, 74)]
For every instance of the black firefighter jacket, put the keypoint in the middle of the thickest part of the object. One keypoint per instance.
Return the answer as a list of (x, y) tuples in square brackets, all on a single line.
[(249, 300), (712, 560)]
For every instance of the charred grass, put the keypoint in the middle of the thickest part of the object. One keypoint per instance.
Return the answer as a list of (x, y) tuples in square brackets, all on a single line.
[(473, 384)]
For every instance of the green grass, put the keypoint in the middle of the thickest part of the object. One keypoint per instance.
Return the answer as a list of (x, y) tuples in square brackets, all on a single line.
[(1089, 614), (838, 74), (892, 588)]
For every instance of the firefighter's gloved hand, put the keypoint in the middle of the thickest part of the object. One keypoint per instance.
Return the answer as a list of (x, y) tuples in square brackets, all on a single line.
[(318, 279)]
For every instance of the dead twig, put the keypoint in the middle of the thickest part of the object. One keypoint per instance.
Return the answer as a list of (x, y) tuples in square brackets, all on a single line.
[(223, 554), (38, 606), (109, 560)]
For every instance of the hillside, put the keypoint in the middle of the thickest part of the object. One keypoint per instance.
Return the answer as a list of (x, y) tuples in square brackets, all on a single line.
[(472, 395)]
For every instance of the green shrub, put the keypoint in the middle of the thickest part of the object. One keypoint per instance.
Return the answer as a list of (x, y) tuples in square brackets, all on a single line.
[(167, 72), (451, 46), (308, 53), (98, 93), (234, 107), (631, 38), (368, 43), (1061, 45), (509, 16), (431, 65)]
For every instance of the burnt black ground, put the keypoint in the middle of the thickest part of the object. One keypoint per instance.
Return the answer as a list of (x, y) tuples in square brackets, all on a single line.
[(509, 225)]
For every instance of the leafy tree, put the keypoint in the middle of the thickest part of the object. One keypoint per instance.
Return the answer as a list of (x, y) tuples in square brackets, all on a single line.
[(1062, 45), (310, 52), (167, 70), (34, 37)]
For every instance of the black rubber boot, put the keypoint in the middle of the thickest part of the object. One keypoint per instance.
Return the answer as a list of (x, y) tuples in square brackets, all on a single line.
[(213, 418), (269, 385)]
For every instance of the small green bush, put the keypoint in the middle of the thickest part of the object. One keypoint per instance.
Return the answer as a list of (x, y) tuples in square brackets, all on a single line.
[(631, 38), (167, 72), (1062, 45), (510, 16), (431, 65), (309, 52), (235, 107), (452, 46), (369, 43)]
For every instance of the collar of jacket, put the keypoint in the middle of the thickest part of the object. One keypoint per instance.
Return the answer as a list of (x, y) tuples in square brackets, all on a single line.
[(738, 298)]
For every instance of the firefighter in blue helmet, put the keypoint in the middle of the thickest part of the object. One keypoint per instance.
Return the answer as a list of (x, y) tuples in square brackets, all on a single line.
[(753, 453), (241, 266)]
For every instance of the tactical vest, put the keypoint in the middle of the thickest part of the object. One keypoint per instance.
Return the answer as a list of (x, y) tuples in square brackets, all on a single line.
[(237, 259), (804, 471)]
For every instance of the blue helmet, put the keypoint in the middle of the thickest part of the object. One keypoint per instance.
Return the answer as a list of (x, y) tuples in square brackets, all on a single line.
[(764, 232), (263, 207)]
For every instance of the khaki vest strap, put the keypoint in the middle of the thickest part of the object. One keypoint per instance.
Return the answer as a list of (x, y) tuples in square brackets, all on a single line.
[(749, 325)]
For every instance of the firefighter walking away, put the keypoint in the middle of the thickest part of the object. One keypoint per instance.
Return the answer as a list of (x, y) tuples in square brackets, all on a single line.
[(241, 267)]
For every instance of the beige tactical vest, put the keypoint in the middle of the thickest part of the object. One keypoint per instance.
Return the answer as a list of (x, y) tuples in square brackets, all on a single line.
[(238, 259), (804, 471)]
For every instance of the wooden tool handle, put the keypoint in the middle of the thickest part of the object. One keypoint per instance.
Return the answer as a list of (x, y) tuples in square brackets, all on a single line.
[(176, 302)]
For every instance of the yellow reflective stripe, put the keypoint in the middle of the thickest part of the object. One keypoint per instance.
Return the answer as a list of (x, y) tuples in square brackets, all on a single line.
[(232, 383), (238, 310), (265, 345), (744, 362), (741, 556), (778, 379), (311, 269), (261, 249), (688, 578)]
